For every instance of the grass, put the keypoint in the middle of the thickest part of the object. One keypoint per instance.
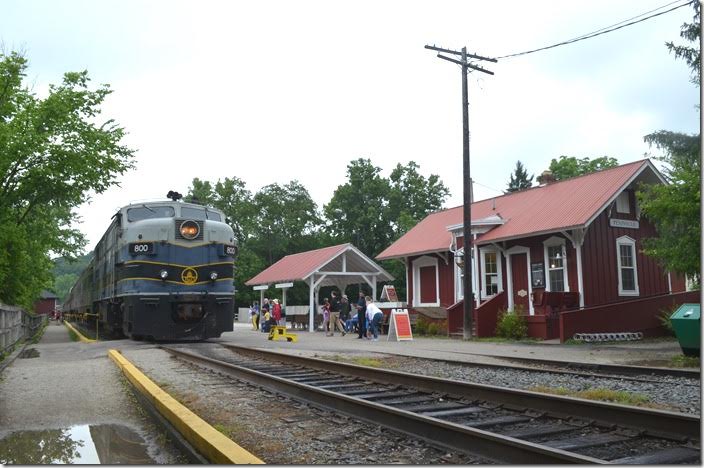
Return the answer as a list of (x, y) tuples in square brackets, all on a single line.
[(598, 394), (685, 361), (498, 339), (360, 361)]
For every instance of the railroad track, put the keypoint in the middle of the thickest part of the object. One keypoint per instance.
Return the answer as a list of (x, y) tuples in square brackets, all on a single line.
[(580, 369), (617, 371), (504, 425)]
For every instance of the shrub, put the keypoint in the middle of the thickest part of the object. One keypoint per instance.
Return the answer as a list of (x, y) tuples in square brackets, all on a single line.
[(421, 327), (665, 321), (433, 329), (511, 325)]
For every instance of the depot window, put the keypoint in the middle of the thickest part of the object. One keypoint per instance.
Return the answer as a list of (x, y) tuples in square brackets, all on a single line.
[(627, 267)]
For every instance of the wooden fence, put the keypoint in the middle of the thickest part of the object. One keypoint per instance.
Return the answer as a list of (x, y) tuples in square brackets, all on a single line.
[(16, 325)]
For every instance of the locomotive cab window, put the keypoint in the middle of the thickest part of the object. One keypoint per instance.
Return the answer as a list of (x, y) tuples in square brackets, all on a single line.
[(149, 212), (197, 214)]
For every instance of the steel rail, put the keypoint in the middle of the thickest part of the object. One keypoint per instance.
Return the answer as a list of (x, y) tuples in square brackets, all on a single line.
[(492, 446), (656, 422), (601, 367), (611, 371)]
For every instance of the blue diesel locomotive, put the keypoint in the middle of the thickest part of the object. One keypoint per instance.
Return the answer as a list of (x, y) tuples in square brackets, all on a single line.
[(162, 271)]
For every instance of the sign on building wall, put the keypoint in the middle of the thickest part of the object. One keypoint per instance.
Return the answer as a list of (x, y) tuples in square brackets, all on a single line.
[(624, 223), (537, 274)]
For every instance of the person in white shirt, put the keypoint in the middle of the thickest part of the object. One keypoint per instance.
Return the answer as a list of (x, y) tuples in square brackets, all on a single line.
[(374, 315)]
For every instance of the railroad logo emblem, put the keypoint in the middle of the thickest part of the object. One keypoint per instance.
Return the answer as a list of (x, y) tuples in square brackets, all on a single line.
[(189, 275)]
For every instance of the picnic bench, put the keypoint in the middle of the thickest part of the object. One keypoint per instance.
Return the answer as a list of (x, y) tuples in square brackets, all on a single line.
[(301, 321)]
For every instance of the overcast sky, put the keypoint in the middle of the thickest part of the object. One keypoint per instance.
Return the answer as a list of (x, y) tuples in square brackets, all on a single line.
[(271, 91)]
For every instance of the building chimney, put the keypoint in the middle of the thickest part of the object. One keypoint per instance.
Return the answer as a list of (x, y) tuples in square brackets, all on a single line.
[(546, 177)]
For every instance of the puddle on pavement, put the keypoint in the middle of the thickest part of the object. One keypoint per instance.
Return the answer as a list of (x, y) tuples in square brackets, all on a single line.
[(28, 353), (102, 444)]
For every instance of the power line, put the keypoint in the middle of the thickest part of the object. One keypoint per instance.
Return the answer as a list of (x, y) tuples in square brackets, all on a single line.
[(604, 30), (486, 186)]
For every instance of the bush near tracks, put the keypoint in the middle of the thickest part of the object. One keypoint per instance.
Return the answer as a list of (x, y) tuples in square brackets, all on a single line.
[(511, 324)]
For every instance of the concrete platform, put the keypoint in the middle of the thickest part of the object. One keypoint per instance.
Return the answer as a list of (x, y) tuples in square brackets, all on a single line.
[(649, 352), (68, 384)]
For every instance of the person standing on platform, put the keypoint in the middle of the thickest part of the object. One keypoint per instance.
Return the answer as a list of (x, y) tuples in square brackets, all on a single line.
[(361, 315), (276, 311), (254, 315), (326, 314), (374, 316), (263, 311), (335, 307), (345, 309)]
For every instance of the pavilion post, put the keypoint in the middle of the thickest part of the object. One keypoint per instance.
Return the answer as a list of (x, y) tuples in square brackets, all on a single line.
[(311, 302)]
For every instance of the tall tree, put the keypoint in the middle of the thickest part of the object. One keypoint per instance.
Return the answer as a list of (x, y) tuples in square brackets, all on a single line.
[(358, 211), (675, 208), (569, 166), (519, 179), (412, 196), (276, 221), (55, 152)]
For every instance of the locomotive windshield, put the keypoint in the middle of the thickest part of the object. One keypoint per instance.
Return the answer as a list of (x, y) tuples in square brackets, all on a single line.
[(199, 214), (149, 212)]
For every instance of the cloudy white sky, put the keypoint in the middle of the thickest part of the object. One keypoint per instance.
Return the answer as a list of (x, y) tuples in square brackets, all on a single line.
[(271, 91)]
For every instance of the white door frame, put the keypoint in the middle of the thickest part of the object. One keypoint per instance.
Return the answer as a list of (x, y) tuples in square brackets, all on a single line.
[(425, 261), (516, 250)]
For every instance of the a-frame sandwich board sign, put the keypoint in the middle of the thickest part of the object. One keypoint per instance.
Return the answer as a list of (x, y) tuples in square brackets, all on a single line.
[(400, 326)]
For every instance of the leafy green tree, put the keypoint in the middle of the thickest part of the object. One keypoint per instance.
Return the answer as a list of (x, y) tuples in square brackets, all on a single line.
[(232, 197), (519, 179), (569, 166), (286, 221), (359, 209), (675, 208), (276, 221), (412, 196), (55, 152), (690, 52), (371, 211)]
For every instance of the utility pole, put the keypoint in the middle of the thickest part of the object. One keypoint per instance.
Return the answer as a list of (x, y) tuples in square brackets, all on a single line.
[(466, 182)]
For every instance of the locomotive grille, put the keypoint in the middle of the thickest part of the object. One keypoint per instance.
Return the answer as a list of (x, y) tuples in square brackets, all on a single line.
[(178, 230)]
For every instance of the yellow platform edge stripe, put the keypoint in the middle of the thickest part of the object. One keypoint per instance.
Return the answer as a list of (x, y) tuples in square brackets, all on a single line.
[(213, 445), (80, 335)]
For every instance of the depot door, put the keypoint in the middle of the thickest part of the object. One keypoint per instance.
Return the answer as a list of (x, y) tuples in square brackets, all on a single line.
[(519, 281), (428, 286)]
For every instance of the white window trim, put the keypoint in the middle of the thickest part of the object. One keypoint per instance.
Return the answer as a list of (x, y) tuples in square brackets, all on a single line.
[(425, 261), (499, 276), (552, 242), (458, 276), (623, 203), (625, 240)]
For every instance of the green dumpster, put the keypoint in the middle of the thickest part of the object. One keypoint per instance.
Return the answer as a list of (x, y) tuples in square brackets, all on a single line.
[(686, 323)]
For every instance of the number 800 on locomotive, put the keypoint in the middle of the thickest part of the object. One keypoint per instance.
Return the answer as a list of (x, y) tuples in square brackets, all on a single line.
[(162, 271)]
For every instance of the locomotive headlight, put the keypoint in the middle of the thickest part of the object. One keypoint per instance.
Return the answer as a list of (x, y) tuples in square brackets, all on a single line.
[(163, 274), (213, 276), (189, 229)]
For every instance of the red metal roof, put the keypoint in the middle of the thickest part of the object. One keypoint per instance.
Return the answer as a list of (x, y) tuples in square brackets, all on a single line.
[(297, 266), (549, 208)]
